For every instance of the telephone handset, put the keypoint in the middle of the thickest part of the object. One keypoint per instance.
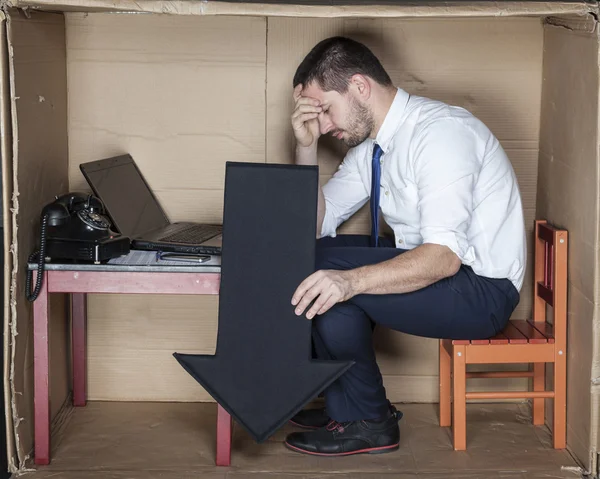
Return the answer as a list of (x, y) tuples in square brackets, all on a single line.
[(74, 227)]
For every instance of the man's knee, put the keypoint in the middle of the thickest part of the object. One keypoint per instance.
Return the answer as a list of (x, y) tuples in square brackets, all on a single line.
[(345, 331)]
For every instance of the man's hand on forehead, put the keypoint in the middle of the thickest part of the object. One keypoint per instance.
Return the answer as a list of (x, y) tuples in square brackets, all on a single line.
[(298, 95), (305, 118)]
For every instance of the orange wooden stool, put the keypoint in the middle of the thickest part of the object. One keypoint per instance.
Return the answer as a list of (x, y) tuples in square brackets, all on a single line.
[(533, 341)]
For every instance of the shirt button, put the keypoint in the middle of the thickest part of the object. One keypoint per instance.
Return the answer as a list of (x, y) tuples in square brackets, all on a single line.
[(400, 241), (387, 193)]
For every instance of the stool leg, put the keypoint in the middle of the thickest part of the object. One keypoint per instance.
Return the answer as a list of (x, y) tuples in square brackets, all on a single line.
[(79, 325), (41, 367), (539, 376), (560, 402), (445, 394), (224, 426), (459, 422)]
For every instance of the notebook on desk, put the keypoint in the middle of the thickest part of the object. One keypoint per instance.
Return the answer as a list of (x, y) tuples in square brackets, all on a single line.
[(136, 213)]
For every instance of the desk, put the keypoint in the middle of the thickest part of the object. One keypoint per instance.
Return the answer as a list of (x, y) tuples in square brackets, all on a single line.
[(124, 278)]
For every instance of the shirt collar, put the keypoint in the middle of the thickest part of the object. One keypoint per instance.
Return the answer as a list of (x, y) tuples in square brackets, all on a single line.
[(393, 120)]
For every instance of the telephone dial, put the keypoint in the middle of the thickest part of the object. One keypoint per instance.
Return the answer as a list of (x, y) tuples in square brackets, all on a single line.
[(74, 227)]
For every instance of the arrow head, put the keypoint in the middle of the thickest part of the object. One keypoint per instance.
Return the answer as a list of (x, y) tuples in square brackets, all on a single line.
[(260, 402), (262, 372)]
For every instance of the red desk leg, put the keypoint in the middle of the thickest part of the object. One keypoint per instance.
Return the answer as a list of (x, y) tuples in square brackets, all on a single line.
[(223, 437), (79, 326), (41, 391)]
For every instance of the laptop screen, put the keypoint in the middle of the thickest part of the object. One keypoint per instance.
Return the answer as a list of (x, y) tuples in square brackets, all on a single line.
[(127, 198)]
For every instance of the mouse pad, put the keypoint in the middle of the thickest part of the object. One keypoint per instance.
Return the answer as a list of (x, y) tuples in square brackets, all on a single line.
[(263, 371)]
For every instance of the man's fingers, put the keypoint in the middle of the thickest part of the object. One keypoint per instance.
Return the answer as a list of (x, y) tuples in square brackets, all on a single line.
[(308, 283), (297, 115), (308, 297), (305, 100), (298, 122), (323, 298), (304, 113), (308, 290), (306, 108), (331, 301)]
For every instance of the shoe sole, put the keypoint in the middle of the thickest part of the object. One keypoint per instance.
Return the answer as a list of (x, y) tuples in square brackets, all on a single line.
[(373, 450)]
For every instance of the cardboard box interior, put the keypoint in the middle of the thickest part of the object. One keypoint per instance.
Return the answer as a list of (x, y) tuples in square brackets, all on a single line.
[(184, 94)]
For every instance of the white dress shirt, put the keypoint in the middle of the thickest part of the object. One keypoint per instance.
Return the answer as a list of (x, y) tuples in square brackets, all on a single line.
[(445, 179)]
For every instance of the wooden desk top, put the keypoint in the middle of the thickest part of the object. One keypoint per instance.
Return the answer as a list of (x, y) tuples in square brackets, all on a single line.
[(137, 261)]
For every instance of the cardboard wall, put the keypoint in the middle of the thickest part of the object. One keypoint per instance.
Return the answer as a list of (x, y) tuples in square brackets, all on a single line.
[(568, 196), (39, 112), (185, 94)]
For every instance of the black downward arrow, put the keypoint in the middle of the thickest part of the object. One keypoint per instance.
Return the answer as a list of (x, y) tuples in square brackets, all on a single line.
[(263, 372)]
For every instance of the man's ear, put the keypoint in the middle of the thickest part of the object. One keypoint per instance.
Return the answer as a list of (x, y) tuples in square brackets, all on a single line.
[(361, 86)]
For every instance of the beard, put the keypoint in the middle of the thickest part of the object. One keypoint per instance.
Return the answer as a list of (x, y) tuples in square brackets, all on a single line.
[(360, 124)]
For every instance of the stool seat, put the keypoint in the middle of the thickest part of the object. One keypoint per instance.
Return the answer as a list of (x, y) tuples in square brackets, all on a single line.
[(517, 331)]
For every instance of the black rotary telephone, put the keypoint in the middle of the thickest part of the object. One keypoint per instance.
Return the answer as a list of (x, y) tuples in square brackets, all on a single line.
[(76, 228)]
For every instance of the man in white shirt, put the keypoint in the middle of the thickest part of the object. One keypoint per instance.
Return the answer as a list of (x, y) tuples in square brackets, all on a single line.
[(455, 264)]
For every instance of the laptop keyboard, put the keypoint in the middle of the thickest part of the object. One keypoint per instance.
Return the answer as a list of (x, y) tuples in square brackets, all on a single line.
[(194, 234)]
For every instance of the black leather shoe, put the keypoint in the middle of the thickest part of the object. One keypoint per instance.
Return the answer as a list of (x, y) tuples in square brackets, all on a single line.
[(344, 439), (311, 418), (317, 417)]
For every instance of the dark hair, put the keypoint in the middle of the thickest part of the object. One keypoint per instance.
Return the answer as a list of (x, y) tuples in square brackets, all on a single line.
[(333, 61)]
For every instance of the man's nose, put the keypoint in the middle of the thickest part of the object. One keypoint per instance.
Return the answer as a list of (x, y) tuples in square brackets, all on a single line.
[(325, 124)]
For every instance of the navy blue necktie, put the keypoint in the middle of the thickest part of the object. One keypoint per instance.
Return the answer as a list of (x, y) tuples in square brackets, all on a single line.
[(375, 187)]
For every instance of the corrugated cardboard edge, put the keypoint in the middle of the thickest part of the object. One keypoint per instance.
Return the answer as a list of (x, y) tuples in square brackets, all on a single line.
[(7, 181), (595, 386), (203, 7), (14, 249)]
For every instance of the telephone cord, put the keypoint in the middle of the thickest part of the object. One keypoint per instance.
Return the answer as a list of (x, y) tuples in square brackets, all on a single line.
[(41, 255)]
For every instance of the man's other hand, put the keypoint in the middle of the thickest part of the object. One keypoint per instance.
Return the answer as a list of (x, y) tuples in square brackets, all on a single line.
[(304, 119), (326, 287)]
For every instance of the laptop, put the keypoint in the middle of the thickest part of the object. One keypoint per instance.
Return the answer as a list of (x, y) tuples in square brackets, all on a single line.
[(136, 213)]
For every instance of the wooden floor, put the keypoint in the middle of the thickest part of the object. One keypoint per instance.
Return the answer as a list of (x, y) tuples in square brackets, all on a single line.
[(176, 441)]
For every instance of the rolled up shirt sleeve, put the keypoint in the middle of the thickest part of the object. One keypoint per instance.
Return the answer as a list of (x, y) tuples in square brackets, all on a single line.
[(446, 167), (344, 193)]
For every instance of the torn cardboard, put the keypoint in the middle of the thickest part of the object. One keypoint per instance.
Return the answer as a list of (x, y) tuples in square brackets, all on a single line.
[(315, 8), (6, 155)]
